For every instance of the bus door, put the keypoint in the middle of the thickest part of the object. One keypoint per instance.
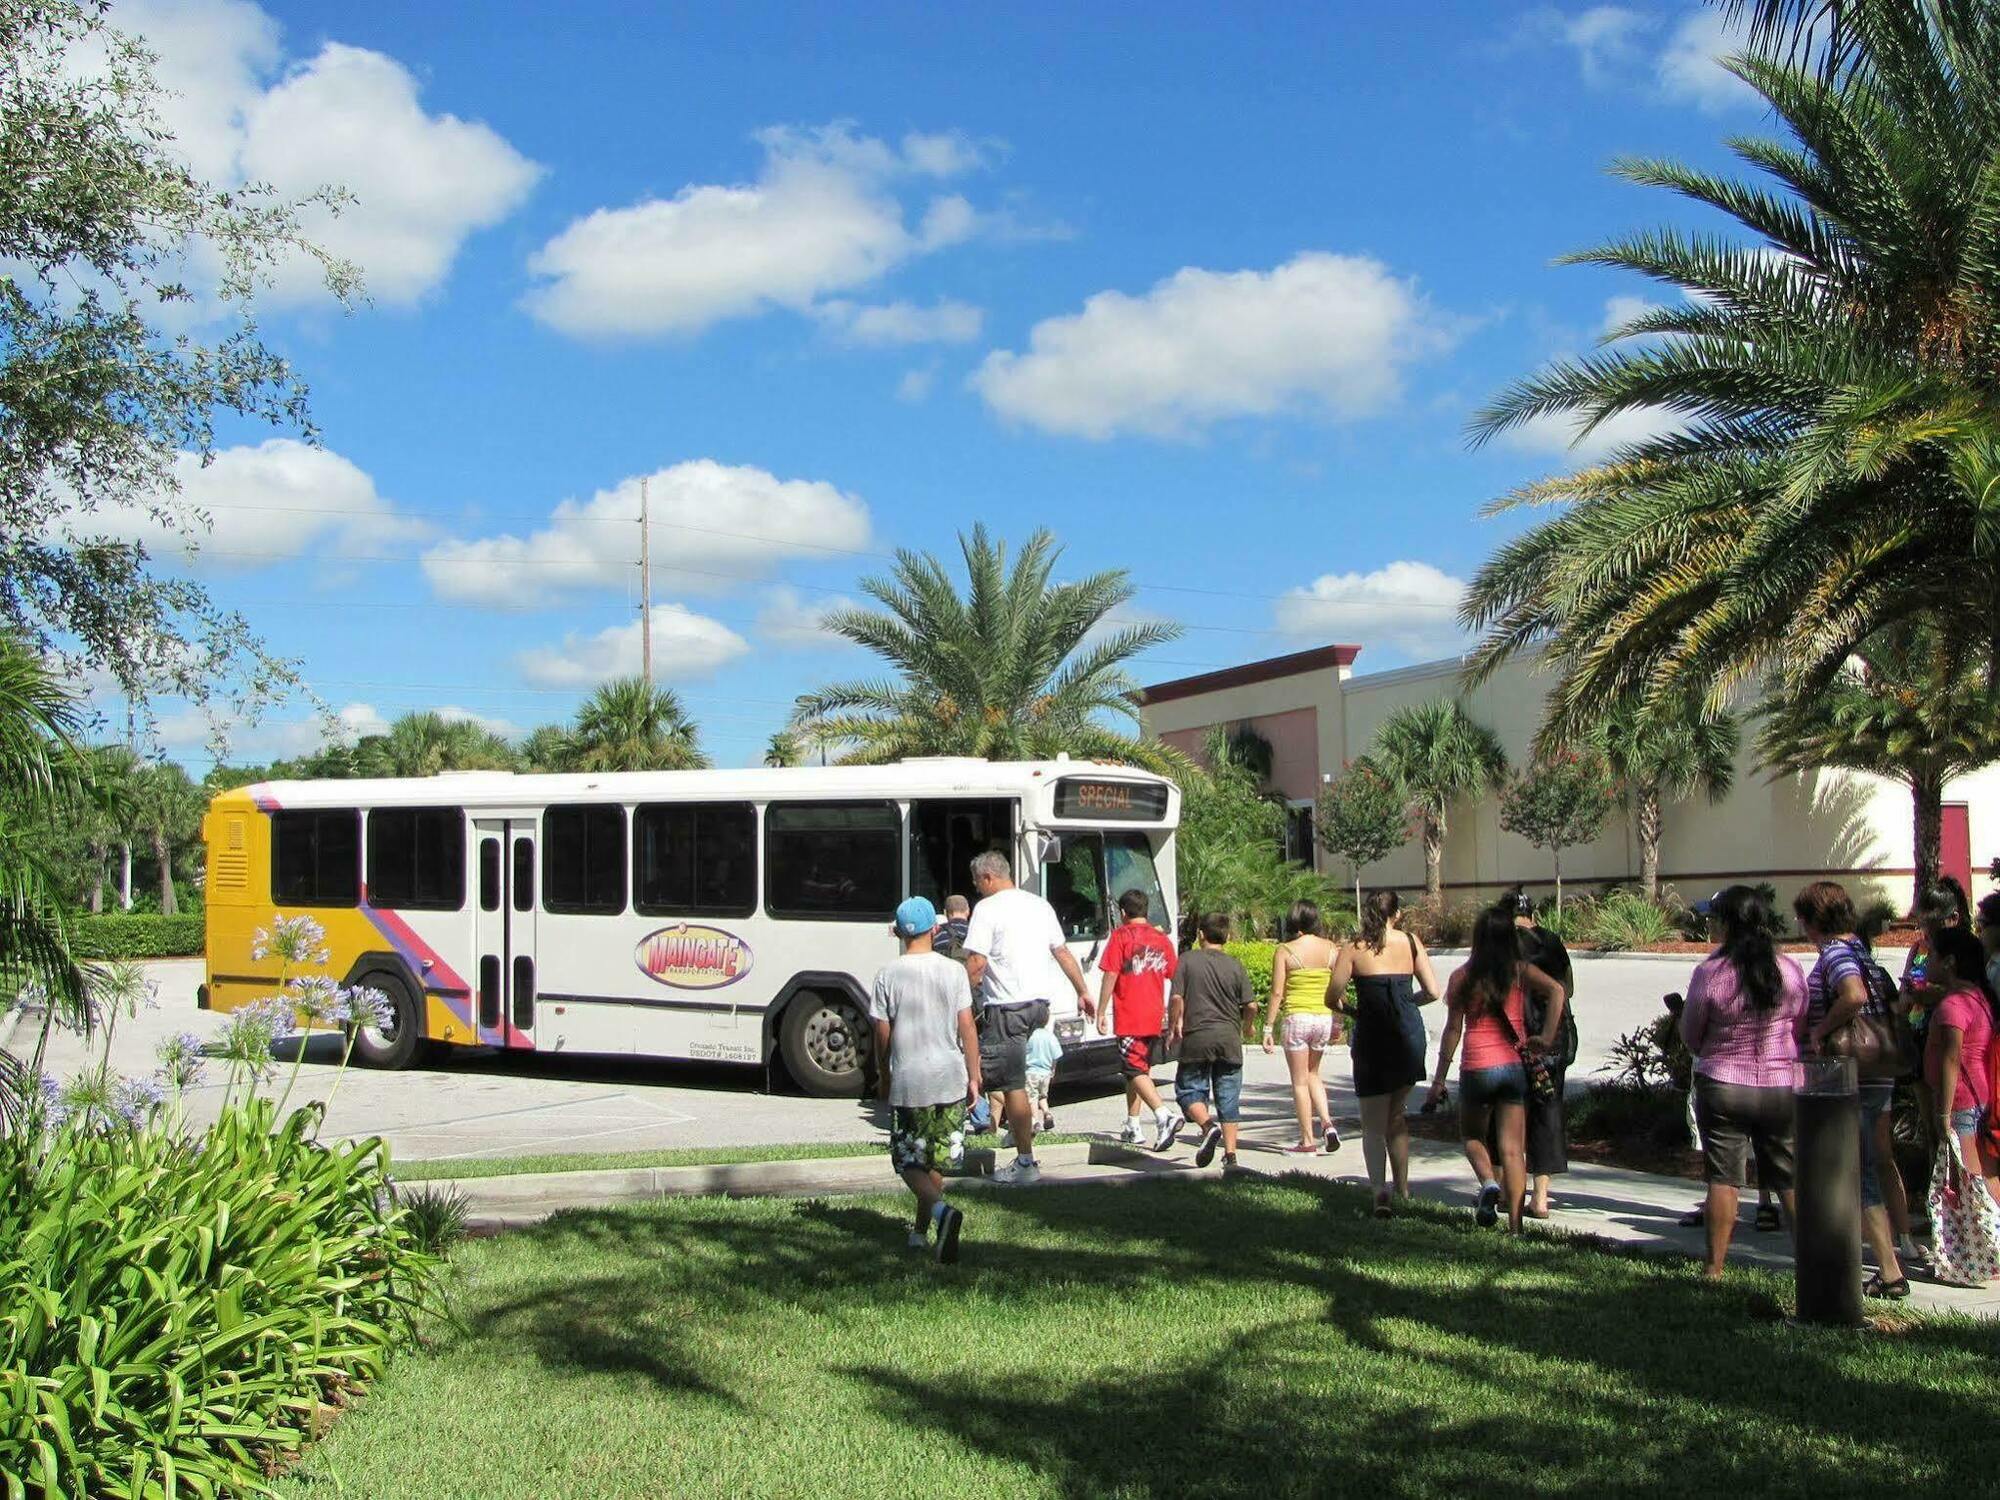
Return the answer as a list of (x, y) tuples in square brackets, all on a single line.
[(508, 869), (1084, 872)]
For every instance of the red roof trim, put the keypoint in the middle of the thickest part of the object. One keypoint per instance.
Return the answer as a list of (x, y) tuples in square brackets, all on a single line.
[(1295, 665)]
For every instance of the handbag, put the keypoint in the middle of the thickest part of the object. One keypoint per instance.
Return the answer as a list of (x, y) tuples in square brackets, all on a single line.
[(1965, 1224), (1535, 1063), (1870, 1037)]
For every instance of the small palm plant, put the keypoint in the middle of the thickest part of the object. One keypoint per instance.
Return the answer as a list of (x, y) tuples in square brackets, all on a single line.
[(1438, 753), (628, 724)]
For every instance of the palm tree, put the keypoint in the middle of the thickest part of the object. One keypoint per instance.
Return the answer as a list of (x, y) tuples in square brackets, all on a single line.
[(1661, 752), (425, 743), (630, 725), (785, 749), (1914, 706), (547, 748), (169, 808), (1003, 671), (1438, 753), (1833, 390)]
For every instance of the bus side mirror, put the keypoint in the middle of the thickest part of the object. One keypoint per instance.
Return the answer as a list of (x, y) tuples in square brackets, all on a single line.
[(1049, 850)]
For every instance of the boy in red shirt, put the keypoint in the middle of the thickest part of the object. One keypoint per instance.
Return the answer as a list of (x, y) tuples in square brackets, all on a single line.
[(1132, 1005)]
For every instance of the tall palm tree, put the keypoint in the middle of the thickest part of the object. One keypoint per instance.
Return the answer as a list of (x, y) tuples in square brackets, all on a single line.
[(630, 725), (1913, 706), (1832, 390), (169, 808), (1002, 671), (785, 749), (547, 748), (1664, 751), (425, 743), (1438, 753)]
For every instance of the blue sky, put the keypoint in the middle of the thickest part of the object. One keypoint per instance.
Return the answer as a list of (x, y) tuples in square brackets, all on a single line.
[(1210, 294)]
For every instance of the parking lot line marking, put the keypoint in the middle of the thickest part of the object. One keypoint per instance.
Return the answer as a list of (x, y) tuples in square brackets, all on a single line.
[(556, 1147), (501, 1114)]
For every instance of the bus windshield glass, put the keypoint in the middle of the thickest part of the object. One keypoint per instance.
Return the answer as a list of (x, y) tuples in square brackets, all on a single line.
[(1094, 871)]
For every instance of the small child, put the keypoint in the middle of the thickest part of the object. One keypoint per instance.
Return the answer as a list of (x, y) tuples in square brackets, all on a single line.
[(1044, 1052)]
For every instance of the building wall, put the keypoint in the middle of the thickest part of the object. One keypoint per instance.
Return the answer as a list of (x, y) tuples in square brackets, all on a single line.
[(1788, 830)]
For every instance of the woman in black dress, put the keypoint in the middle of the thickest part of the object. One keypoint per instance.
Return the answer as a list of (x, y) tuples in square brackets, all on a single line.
[(1392, 975)]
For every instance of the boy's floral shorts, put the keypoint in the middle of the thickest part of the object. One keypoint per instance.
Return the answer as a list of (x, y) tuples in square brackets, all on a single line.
[(927, 1137)]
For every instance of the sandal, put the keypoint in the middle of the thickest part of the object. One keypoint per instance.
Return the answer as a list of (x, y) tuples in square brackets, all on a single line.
[(1768, 1219), (1382, 1209), (1888, 1291)]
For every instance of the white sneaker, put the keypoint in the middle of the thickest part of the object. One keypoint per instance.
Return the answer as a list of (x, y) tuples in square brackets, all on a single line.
[(919, 1238), (1169, 1128), (1131, 1135), (1018, 1173)]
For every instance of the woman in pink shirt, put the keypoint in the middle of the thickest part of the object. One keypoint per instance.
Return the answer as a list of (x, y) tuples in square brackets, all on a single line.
[(1957, 1045), (1485, 1002), (1744, 1021)]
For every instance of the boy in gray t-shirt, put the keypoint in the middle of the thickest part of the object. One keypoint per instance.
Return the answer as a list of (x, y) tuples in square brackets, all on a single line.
[(927, 1050)]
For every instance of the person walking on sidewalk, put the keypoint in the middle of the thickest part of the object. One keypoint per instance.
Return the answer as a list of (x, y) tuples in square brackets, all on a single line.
[(1014, 949), (1743, 1020), (1138, 962), (1212, 998), (1487, 1004), (1301, 973), (1548, 1113), (1392, 976), (929, 1060)]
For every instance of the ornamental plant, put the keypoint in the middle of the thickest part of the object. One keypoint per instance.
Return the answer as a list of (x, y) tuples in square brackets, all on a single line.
[(1558, 803), (1362, 817)]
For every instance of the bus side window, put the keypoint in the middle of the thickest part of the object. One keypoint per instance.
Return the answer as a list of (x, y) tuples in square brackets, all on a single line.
[(489, 874), (834, 861), (316, 857), (695, 859), (524, 874), (416, 858), (583, 860)]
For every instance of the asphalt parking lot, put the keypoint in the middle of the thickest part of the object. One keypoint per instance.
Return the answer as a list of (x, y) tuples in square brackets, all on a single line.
[(490, 1104)]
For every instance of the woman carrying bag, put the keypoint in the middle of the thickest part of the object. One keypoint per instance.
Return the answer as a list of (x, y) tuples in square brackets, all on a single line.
[(1965, 1192)]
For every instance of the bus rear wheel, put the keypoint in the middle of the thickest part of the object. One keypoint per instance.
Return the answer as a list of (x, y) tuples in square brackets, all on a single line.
[(400, 1042), (826, 1045)]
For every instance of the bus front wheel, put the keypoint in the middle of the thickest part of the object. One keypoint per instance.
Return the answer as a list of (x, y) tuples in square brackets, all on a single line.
[(826, 1045), (399, 1041)]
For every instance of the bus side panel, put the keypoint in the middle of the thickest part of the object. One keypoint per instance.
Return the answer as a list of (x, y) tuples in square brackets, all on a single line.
[(438, 948)]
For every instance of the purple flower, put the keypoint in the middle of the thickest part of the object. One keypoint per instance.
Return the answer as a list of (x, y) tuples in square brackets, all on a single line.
[(180, 1060), (292, 940), (369, 1007), (317, 998), (135, 1099)]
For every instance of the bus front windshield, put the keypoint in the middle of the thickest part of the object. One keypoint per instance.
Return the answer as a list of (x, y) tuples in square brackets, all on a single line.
[(1094, 871)]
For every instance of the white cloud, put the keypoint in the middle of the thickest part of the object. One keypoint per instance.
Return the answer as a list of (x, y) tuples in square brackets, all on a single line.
[(359, 720), (265, 503), (787, 619), (1561, 433), (714, 526), (1618, 311), (822, 217), (945, 321), (451, 713), (685, 645), (1605, 39), (346, 117), (1407, 607), (943, 154), (1689, 71), (916, 384), (1322, 333)]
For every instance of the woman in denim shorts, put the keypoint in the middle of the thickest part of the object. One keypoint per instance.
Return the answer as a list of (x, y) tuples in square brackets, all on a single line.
[(1486, 1005)]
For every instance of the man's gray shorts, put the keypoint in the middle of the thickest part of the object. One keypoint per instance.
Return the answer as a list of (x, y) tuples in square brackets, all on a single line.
[(1003, 1043)]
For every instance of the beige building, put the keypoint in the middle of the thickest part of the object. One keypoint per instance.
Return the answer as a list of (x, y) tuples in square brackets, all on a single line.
[(1318, 714)]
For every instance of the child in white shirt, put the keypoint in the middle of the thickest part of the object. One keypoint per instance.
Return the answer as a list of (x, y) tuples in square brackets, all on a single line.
[(1044, 1051)]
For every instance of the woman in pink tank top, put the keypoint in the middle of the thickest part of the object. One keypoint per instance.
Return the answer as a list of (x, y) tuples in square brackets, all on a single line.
[(1486, 1001)]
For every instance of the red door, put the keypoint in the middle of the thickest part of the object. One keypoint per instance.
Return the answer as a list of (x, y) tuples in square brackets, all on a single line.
[(1955, 845)]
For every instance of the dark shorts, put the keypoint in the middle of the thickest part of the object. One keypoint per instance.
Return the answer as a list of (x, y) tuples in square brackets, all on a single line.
[(1480, 1088), (1878, 1098), (1003, 1043), (1735, 1120), (927, 1137), (1217, 1083), (1135, 1055)]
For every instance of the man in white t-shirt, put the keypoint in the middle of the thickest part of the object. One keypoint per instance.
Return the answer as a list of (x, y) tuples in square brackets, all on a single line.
[(1015, 958)]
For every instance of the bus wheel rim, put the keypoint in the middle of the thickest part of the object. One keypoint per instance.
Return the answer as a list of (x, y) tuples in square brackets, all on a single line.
[(830, 1040)]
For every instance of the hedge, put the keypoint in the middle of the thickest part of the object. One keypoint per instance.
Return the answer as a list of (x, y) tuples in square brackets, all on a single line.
[(128, 935), (1257, 959)]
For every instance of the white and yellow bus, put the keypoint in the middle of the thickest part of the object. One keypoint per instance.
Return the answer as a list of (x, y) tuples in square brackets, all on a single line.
[(732, 916)]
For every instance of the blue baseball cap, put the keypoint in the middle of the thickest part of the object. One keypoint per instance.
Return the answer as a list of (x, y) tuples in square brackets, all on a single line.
[(916, 916)]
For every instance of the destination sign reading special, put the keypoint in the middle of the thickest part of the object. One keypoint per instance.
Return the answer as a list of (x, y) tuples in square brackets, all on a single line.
[(691, 957), (1114, 801)]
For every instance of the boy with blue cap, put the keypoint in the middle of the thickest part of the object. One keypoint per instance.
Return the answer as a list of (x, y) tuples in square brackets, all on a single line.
[(927, 1051)]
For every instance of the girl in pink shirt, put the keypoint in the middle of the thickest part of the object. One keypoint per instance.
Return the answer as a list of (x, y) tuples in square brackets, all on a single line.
[(1956, 1048)]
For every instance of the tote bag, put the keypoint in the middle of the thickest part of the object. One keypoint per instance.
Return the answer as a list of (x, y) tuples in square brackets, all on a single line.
[(1965, 1222)]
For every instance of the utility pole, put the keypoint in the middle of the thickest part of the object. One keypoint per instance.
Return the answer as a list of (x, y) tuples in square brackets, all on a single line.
[(645, 582)]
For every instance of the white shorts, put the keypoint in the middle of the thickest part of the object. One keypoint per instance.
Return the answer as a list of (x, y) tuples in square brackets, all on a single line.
[(1308, 1032), (1038, 1089)]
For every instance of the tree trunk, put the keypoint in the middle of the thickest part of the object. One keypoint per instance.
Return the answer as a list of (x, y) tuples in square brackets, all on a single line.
[(1927, 799), (1649, 842), (1357, 893), (165, 855), (1434, 862), (1558, 856), (97, 854), (125, 876)]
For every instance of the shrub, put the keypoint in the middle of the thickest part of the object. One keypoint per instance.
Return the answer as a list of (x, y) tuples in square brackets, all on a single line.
[(1571, 922), (191, 1301), (1256, 958), (1652, 1056), (138, 935), (1626, 919), (1442, 927), (437, 1213), (1630, 1112)]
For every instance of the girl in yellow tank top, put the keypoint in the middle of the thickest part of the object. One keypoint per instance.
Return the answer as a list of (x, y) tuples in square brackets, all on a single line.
[(1300, 975)]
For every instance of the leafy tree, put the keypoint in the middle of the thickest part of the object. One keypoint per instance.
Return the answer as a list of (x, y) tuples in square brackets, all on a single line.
[(785, 749), (1830, 379), (169, 809), (1003, 671), (1362, 816), (1661, 752), (1559, 802), (547, 748), (628, 725), (1437, 753), (1913, 706), (1230, 844), (425, 743), (100, 221)]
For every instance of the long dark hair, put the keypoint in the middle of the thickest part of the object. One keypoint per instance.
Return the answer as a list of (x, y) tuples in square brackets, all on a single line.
[(1376, 913), (1304, 918), (1494, 963), (1745, 918), (1967, 958)]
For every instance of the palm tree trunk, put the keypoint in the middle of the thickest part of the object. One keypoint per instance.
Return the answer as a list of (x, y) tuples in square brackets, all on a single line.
[(125, 876), (1927, 799), (1649, 842), (1434, 861), (1557, 854), (165, 855)]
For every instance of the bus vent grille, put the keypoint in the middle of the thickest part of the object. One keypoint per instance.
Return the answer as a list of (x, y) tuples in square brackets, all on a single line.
[(232, 863)]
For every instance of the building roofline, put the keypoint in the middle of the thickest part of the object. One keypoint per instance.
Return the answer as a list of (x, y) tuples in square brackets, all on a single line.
[(1448, 666), (1297, 664)]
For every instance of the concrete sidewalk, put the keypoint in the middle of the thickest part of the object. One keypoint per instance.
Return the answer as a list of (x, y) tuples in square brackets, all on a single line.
[(1638, 1209)]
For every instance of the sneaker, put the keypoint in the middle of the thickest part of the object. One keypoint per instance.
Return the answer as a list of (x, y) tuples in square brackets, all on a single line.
[(918, 1239), (1231, 1167), (1211, 1138), (948, 1224), (1019, 1173), (1332, 1138), (1169, 1129), (1131, 1135), (1489, 1205)]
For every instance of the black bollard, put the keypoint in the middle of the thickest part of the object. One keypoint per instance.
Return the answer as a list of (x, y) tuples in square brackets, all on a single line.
[(1827, 1179)]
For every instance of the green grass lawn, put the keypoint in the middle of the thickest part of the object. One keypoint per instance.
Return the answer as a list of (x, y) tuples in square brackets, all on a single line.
[(1256, 1339), (685, 1156)]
